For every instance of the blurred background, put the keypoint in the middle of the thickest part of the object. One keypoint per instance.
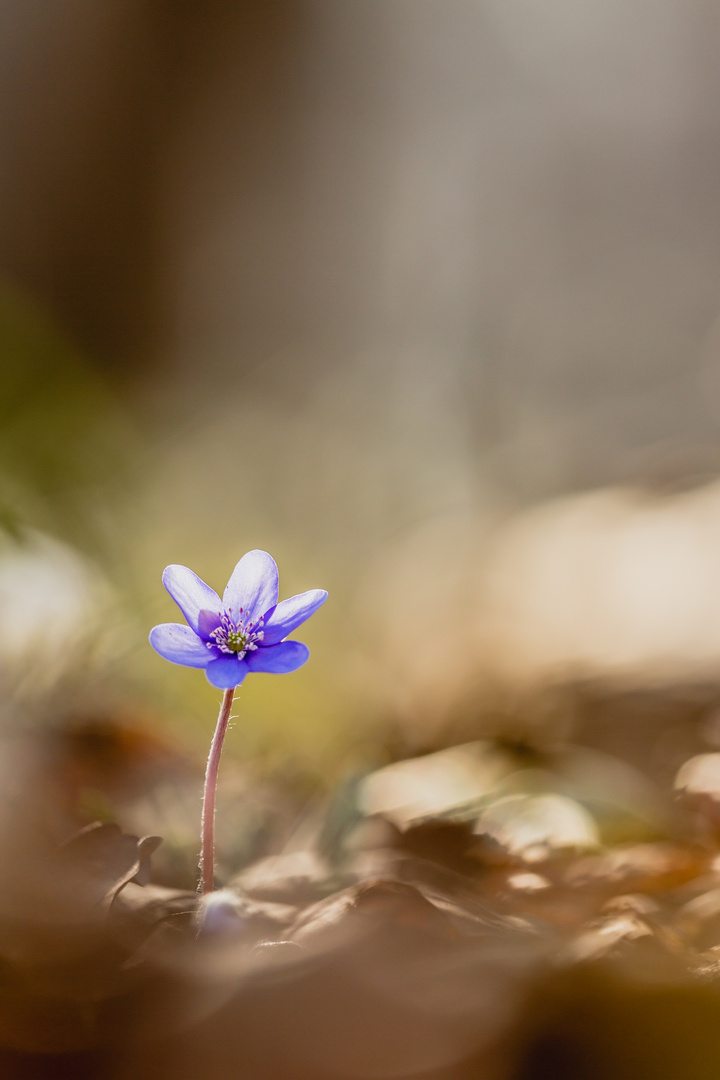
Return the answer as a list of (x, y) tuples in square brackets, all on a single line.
[(424, 299)]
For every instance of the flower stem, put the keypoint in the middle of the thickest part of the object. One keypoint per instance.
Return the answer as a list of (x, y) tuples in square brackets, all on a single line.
[(207, 825)]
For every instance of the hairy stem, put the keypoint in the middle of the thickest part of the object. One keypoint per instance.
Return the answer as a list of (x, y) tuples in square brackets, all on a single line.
[(207, 825)]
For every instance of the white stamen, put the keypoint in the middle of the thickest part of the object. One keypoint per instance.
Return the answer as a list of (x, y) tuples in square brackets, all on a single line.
[(236, 638)]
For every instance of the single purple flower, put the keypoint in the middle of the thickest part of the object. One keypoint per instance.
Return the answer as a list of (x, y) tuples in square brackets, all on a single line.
[(243, 632)]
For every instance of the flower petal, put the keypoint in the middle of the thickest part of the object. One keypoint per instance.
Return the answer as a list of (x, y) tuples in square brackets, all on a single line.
[(253, 585), (226, 672), (288, 615), (208, 621), (190, 593), (279, 659), (179, 644)]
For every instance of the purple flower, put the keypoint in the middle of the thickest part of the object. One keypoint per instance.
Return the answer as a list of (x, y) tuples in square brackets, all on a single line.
[(243, 632)]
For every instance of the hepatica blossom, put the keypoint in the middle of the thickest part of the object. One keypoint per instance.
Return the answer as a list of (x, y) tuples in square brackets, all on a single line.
[(245, 631)]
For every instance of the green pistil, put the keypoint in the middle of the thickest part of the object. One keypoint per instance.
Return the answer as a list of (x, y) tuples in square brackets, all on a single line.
[(236, 641)]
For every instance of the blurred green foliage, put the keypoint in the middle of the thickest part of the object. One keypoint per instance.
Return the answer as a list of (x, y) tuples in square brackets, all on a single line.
[(67, 446)]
